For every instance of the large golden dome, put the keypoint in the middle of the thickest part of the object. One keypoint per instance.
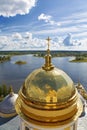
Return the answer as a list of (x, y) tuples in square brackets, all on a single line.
[(48, 97), (49, 86)]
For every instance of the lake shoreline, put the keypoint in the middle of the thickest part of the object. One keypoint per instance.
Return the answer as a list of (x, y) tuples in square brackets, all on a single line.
[(13, 74)]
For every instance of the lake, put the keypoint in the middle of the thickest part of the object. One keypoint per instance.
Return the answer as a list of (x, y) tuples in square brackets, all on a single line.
[(14, 74)]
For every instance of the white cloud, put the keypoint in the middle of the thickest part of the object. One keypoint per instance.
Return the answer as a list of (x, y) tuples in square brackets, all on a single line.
[(56, 31), (14, 7), (74, 23), (80, 35), (75, 19), (84, 42), (18, 41), (26, 41), (44, 17), (78, 15), (48, 19), (28, 35), (68, 40), (16, 36)]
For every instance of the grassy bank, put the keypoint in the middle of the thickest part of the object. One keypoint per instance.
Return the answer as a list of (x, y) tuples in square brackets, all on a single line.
[(79, 59), (84, 60)]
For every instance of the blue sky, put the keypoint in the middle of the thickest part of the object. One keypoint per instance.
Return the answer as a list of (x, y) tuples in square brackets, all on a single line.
[(25, 24)]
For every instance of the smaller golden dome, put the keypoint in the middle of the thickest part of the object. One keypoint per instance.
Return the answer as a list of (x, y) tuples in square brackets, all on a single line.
[(7, 106)]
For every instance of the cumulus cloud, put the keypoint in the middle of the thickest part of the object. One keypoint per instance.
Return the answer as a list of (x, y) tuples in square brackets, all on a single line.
[(16, 36), (26, 41), (18, 41), (44, 17), (68, 40), (28, 35), (14, 7), (48, 19)]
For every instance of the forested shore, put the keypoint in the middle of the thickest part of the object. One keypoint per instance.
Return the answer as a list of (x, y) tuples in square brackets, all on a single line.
[(4, 91), (4, 58), (42, 53)]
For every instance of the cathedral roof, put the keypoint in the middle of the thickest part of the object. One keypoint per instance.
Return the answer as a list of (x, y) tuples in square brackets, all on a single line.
[(14, 123), (7, 108)]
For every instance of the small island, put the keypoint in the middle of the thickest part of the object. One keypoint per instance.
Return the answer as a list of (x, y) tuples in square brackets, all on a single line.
[(20, 62), (79, 59)]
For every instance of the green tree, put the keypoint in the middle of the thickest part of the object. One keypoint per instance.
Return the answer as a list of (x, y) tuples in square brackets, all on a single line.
[(4, 90), (1, 91)]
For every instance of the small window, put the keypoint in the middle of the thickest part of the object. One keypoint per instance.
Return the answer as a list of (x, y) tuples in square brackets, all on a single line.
[(26, 128)]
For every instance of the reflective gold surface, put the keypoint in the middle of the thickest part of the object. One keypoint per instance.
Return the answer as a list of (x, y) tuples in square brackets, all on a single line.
[(49, 112), (49, 118), (48, 86), (46, 105)]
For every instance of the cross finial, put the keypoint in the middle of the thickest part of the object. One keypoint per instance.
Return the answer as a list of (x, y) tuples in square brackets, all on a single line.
[(48, 39), (11, 91), (48, 65)]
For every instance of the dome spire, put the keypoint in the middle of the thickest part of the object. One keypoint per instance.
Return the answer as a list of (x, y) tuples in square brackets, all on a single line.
[(11, 91), (48, 65), (48, 39), (79, 82)]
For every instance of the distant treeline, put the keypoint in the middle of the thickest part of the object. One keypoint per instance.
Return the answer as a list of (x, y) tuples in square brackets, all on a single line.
[(4, 90), (42, 53), (16, 52), (62, 53)]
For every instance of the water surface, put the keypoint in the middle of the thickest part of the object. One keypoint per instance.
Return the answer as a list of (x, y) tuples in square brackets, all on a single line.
[(14, 74)]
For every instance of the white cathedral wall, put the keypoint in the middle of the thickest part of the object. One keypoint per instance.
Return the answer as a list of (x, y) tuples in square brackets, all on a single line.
[(30, 126)]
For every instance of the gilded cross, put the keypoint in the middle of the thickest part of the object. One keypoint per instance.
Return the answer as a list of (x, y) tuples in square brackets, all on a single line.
[(48, 39)]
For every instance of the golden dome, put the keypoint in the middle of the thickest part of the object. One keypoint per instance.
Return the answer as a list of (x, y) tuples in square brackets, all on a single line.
[(48, 86), (48, 96)]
